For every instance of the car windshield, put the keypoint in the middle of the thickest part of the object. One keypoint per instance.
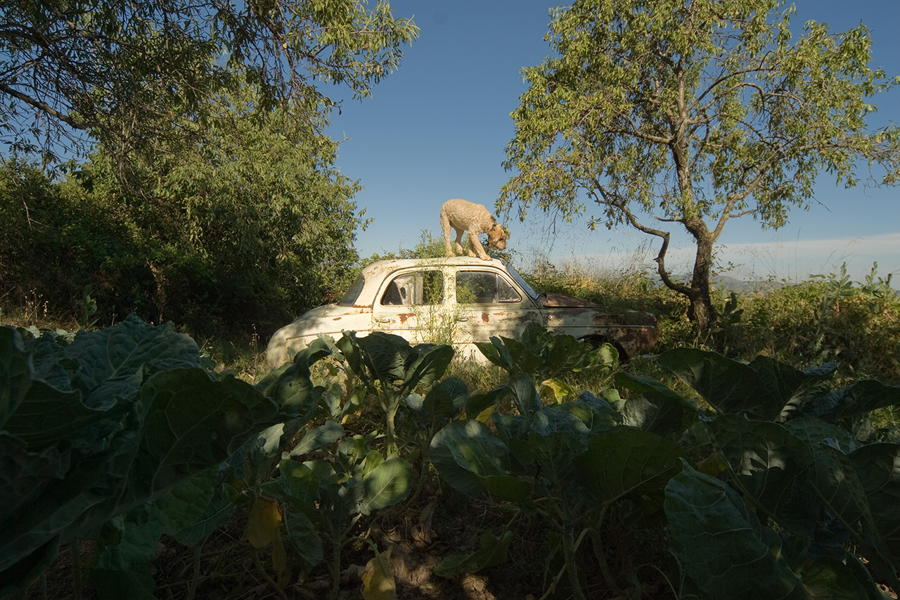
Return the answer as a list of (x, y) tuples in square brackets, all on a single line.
[(352, 294), (524, 284)]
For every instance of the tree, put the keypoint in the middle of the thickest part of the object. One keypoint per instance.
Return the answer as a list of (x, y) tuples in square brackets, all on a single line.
[(121, 72), (252, 224), (691, 113)]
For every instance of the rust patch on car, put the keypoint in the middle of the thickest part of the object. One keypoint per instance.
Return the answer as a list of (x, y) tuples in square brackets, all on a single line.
[(404, 316), (485, 317)]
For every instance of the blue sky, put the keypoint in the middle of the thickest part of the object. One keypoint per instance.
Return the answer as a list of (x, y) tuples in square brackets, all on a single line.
[(437, 128)]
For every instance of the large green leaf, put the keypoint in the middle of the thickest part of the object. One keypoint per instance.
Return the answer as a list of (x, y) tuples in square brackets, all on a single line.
[(721, 545), (816, 431), (772, 467), (16, 580), (840, 489), (384, 355), (828, 578), (48, 415), (524, 393), (385, 485), (127, 545), (112, 362), (761, 388), (195, 422), (446, 399), (318, 437), (492, 551), (479, 402), (878, 469), (76, 503), (857, 398), (304, 537), (523, 355), (627, 460), (290, 387), (728, 385), (596, 413), (465, 451), (497, 352), (195, 507), (657, 409), (15, 372), (425, 364), (25, 474)]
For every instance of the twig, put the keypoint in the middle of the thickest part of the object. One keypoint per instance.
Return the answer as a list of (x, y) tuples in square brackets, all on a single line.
[(262, 571), (195, 578), (75, 549)]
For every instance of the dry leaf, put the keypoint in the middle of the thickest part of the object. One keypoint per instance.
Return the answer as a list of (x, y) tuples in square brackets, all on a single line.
[(377, 578), (264, 522)]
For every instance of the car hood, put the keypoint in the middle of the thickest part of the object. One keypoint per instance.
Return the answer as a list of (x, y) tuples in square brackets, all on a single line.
[(563, 301)]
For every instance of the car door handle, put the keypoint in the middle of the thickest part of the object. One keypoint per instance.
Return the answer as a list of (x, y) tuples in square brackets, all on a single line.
[(382, 319), (461, 319)]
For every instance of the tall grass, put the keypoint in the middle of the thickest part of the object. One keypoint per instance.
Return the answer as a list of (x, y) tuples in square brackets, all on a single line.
[(824, 319)]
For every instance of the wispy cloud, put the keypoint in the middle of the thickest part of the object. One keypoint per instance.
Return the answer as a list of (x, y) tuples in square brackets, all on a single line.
[(782, 259)]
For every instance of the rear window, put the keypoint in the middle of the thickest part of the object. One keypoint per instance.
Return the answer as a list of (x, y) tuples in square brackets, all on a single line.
[(482, 287)]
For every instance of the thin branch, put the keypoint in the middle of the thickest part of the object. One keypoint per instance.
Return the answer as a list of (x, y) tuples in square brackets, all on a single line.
[(609, 198), (43, 106)]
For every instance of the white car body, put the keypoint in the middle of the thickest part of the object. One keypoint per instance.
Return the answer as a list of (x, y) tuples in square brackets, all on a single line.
[(458, 301)]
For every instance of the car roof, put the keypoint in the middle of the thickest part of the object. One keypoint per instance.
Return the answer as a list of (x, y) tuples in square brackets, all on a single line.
[(383, 266)]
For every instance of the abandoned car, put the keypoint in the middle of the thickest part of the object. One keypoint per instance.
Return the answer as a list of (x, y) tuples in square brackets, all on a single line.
[(458, 300)]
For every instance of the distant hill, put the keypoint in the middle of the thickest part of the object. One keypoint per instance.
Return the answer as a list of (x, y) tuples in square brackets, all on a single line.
[(733, 284)]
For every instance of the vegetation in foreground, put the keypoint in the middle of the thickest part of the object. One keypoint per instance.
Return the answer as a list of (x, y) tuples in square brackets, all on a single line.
[(361, 469)]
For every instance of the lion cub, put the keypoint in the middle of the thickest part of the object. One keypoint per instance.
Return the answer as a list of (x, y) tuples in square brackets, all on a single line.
[(465, 216)]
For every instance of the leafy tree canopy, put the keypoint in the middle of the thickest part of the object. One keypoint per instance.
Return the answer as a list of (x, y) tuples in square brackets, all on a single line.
[(675, 113), (246, 225), (121, 72), (253, 220)]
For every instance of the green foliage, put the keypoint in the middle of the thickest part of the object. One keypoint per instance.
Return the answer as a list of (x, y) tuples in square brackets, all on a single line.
[(832, 318), (773, 492), (492, 551), (78, 243), (94, 430), (768, 483), (719, 541), (544, 355), (693, 114), (549, 357), (799, 470), (125, 73), (391, 369), (246, 227), (323, 485)]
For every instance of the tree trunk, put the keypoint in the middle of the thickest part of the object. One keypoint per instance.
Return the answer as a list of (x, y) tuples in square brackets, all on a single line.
[(701, 311)]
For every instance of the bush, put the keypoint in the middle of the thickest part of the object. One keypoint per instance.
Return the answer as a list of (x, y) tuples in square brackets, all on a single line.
[(247, 229), (830, 318)]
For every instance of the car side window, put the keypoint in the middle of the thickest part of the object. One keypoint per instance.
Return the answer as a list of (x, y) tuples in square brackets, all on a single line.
[(414, 289), (482, 287)]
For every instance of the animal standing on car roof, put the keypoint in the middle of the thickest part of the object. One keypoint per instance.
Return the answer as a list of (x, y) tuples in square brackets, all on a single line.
[(464, 216)]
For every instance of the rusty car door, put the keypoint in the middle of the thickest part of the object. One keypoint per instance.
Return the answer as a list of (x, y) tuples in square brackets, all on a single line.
[(408, 302), (488, 302)]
